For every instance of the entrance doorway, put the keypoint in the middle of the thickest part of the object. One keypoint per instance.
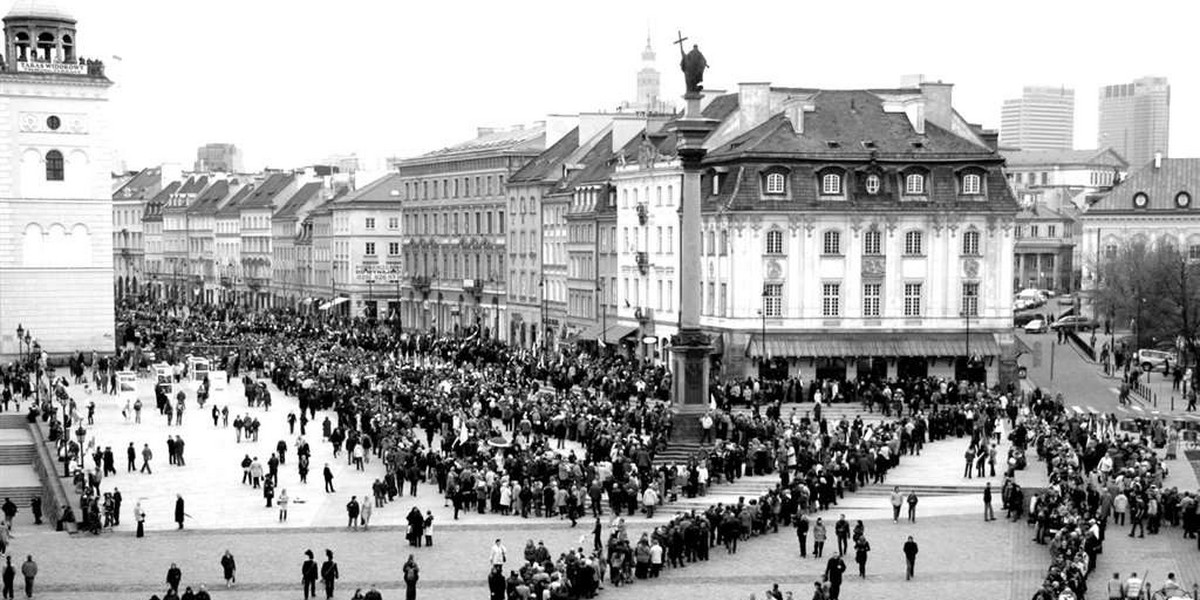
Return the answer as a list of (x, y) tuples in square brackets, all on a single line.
[(911, 367)]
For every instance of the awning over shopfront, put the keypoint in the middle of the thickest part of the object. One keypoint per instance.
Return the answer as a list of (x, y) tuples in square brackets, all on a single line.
[(616, 333), (850, 345), (1020, 347)]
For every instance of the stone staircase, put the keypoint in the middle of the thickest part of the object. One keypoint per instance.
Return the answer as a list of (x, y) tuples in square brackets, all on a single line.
[(18, 479)]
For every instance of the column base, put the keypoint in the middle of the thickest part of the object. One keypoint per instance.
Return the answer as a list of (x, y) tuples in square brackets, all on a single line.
[(690, 350)]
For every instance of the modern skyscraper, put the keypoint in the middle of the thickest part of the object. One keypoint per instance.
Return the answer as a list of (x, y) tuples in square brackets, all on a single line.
[(1135, 119), (1043, 118), (225, 158)]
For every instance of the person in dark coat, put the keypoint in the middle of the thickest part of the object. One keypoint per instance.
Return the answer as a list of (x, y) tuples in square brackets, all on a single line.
[(496, 583), (412, 573), (174, 576), (910, 558), (229, 568), (308, 575), (179, 510), (329, 574), (416, 527), (833, 574)]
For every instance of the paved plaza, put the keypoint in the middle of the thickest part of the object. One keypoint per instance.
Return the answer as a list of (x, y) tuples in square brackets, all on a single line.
[(959, 552)]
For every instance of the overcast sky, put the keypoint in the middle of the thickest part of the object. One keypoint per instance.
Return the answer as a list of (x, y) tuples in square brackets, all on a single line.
[(293, 81)]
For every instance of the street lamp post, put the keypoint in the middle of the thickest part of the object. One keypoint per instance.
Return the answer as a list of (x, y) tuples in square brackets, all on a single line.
[(20, 338), (763, 313), (965, 313)]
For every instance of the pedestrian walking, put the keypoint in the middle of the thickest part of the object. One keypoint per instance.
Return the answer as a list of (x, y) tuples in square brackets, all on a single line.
[(818, 538), (308, 575), (29, 571), (329, 573), (897, 502), (352, 509), (229, 568), (412, 573), (9, 578), (833, 574), (802, 535), (146, 456), (910, 558), (139, 515), (174, 576), (841, 530), (283, 505), (10, 511), (329, 480), (499, 554), (861, 548), (988, 513), (179, 513), (912, 506)]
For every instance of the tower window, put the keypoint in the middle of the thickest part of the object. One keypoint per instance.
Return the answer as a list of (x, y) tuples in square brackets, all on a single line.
[(54, 166)]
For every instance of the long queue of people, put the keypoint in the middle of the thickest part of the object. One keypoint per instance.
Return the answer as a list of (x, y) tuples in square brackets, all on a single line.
[(1099, 472)]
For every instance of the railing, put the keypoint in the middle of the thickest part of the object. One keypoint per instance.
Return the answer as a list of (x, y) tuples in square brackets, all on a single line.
[(55, 500)]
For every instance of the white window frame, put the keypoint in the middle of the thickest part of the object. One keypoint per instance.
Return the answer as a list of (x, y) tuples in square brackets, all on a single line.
[(972, 184), (832, 238), (873, 243), (773, 299), (369, 250), (913, 298), (776, 183), (914, 243), (872, 298), (774, 242), (914, 184), (393, 248), (970, 243), (970, 298), (873, 184), (831, 299), (831, 184), (370, 222)]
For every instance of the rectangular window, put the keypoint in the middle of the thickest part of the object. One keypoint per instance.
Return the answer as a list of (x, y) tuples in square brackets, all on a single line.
[(670, 295), (393, 222), (970, 299), (1194, 252), (873, 243), (670, 239), (710, 298), (773, 299), (872, 294), (1110, 251), (393, 248), (1052, 231), (370, 251), (660, 241), (721, 301), (1033, 231), (912, 299), (831, 299)]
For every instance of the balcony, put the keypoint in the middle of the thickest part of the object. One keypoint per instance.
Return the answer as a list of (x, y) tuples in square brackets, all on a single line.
[(473, 286), (643, 214), (257, 283), (643, 263)]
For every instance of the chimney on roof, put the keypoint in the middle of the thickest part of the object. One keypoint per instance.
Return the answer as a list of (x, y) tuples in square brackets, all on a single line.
[(1158, 160), (938, 107), (991, 137)]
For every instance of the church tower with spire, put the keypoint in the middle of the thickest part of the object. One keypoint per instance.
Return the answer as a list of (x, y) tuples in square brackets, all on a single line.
[(648, 80), (56, 219)]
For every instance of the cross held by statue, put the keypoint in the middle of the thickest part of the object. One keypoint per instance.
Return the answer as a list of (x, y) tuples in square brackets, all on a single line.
[(680, 41)]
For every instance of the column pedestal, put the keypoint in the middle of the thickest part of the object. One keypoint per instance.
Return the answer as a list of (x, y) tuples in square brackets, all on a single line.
[(690, 350)]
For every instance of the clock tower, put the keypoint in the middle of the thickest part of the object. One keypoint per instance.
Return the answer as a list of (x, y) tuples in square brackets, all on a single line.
[(56, 271)]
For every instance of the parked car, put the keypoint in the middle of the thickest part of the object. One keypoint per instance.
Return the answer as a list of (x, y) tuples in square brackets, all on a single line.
[(1036, 326), (1066, 300), (1075, 323), (1156, 359), (1024, 319)]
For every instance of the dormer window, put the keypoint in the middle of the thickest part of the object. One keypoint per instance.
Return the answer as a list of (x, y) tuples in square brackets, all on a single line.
[(872, 184), (775, 183), (914, 184), (831, 184), (972, 184)]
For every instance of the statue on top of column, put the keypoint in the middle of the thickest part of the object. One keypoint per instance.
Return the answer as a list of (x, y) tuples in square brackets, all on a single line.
[(693, 64)]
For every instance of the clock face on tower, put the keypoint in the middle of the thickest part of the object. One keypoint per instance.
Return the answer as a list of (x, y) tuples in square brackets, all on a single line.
[(1140, 200)]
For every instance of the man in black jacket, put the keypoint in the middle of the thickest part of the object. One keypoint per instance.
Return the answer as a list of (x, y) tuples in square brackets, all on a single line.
[(802, 535), (308, 575), (329, 574), (833, 574), (910, 558)]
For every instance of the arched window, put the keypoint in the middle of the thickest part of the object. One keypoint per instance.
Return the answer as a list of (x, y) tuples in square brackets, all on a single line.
[(831, 242), (45, 46), (68, 46), (972, 185), (831, 184), (775, 183), (22, 46), (914, 184), (914, 243), (970, 243), (54, 166), (775, 242)]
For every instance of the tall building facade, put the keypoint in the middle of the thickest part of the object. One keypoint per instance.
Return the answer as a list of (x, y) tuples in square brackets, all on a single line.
[(1135, 119), (1043, 118), (56, 210), (223, 158)]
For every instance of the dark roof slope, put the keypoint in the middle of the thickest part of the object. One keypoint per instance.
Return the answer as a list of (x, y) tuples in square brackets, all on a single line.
[(208, 201), (1160, 185), (842, 120), (139, 186), (231, 208), (265, 193), (303, 195), (194, 185), (547, 163), (155, 205), (386, 189)]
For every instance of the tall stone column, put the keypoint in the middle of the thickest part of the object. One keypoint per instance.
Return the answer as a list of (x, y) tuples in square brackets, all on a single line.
[(691, 347)]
